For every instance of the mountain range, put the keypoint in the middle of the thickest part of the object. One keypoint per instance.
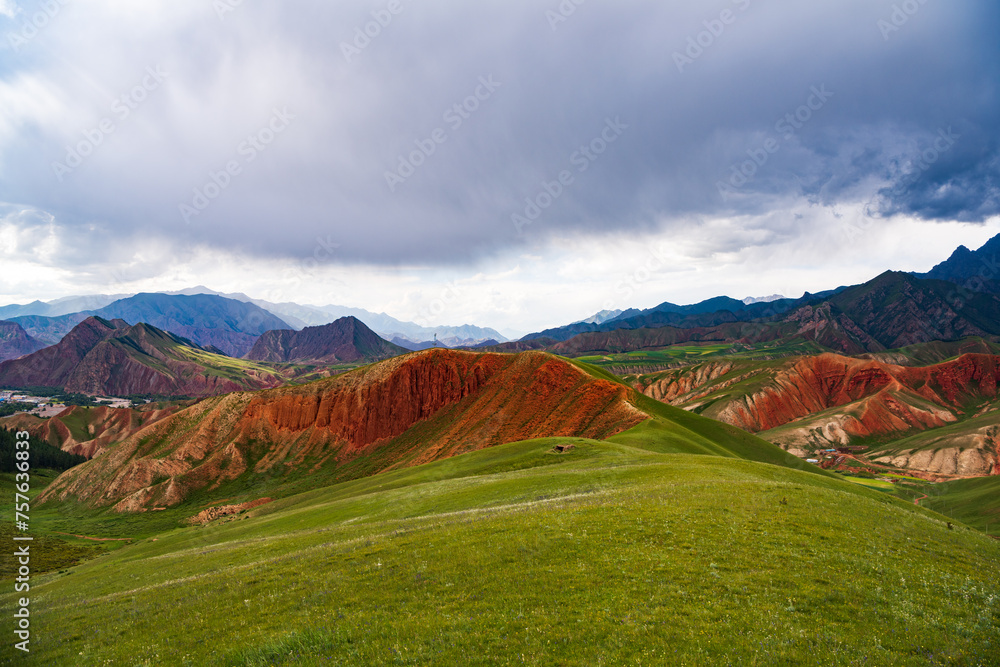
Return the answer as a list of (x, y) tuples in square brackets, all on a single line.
[(891, 311), (112, 357), (402, 412), (228, 325), (50, 321)]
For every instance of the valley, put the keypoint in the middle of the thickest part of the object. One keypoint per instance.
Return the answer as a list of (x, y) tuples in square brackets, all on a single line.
[(715, 490)]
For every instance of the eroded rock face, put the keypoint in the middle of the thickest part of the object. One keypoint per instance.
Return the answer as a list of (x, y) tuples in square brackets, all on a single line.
[(456, 401), (668, 389), (975, 455), (104, 426), (830, 400), (892, 397)]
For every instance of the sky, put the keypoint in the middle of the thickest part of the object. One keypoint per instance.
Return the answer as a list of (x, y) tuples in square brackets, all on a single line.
[(514, 164)]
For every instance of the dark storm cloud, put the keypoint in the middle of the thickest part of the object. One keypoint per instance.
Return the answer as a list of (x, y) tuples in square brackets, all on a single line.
[(264, 134)]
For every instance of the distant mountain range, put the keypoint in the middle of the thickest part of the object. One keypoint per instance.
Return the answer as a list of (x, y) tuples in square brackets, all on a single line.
[(63, 306), (893, 310), (750, 300), (708, 313), (115, 358), (300, 317), (228, 325), (69, 311)]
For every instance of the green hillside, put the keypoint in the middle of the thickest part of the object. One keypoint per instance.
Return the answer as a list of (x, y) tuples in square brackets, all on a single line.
[(975, 502), (605, 554)]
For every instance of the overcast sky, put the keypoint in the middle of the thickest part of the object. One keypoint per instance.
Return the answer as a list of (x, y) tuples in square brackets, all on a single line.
[(516, 164)]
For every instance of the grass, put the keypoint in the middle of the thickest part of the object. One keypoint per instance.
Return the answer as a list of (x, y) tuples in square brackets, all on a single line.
[(606, 554), (631, 364), (879, 484), (973, 501)]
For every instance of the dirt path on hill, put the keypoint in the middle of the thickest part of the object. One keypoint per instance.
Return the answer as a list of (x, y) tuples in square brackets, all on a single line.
[(916, 501), (97, 539)]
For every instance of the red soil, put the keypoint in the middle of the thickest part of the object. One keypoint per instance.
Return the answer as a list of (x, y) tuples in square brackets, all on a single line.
[(826, 381)]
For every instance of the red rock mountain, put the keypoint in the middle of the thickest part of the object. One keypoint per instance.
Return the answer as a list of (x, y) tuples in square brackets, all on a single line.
[(830, 400), (347, 340), (110, 357), (15, 341), (405, 411)]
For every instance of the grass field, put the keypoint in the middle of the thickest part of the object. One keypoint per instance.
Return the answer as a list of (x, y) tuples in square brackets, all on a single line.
[(606, 554), (972, 501), (638, 363)]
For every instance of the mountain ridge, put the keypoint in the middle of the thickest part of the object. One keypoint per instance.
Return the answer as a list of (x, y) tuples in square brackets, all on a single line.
[(105, 357)]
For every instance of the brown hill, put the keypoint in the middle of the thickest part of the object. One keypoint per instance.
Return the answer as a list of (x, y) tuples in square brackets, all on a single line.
[(110, 357), (404, 411), (347, 340), (15, 341), (86, 431)]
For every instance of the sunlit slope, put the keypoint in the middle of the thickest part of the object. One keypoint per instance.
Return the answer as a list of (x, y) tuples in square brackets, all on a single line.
[(605, 554)]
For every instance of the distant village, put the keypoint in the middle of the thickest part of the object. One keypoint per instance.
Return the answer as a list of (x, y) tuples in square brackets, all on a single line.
[(46, 406)]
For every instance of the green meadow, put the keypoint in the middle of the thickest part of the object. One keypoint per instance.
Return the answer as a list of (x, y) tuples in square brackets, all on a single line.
[(609, 553)]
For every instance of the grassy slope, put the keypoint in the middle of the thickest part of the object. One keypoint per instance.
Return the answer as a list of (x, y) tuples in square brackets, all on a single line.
[(973, 501), (936, 352), (606, 555), (640, 362)]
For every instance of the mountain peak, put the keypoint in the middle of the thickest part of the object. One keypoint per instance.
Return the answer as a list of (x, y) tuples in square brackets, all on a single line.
[(346, 340), (974, 269)]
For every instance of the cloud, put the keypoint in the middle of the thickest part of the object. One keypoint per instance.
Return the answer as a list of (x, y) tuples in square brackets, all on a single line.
[(135, 149)]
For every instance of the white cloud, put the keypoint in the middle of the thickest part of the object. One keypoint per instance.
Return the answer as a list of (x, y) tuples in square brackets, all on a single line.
[(572, 277)]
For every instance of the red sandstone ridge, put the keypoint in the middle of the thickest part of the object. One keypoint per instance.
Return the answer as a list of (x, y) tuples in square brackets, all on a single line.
[(404, 411), (93, 428), (884, 398)]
